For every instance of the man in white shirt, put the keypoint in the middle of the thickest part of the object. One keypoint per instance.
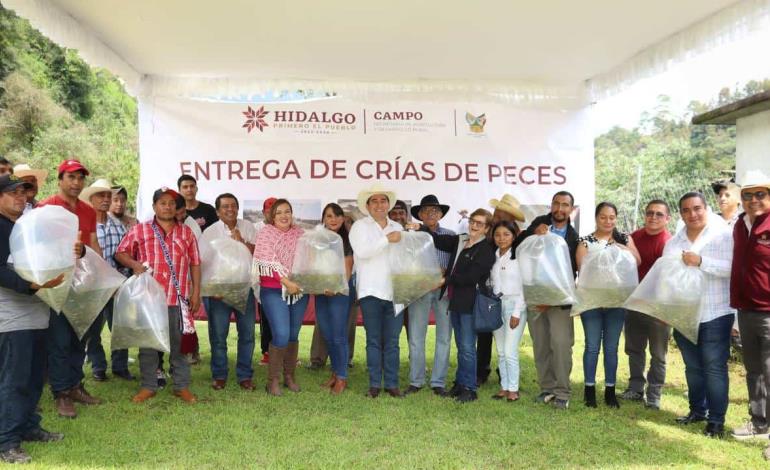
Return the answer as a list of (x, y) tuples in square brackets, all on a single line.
[(370, 238), (229, 225), (706, 242)]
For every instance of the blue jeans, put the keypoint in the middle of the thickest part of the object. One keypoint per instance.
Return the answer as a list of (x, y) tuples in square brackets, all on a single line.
[(705, 367), (331, 314), (419, 316), (219, 327), (66, 354), (465, 339), (22, 365), (94, 347), (285, 320), (383, 329), (602, 326)]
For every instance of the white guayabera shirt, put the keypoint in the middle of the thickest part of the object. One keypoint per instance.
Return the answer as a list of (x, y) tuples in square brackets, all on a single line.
[(370, 255)]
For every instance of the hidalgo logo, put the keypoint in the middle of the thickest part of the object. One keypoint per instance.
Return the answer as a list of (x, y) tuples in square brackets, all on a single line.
[(476, 123), (255, 119)]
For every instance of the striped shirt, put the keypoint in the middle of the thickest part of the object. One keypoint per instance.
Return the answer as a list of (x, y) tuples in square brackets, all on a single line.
[(140, 243), (443, 256), (109, 234), (715, 246)]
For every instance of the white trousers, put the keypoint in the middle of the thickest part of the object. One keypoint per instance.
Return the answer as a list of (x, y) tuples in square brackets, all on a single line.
[(507, 340)]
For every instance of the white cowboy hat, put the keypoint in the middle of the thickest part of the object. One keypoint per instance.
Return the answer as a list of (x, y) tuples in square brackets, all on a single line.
[(99, 186), (754, 179), (22, 169), (508, 204), (365, 194)]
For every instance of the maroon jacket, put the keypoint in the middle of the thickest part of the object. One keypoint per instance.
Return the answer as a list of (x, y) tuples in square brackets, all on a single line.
[(750, 278)]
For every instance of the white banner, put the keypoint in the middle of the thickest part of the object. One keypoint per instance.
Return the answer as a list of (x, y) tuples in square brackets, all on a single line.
[(326, 151)]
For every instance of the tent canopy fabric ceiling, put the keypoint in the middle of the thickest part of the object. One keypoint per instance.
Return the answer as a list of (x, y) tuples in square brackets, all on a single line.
[(548, 43)]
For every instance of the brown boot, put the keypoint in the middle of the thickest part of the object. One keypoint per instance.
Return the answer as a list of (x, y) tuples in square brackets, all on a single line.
[(79, 394), (330, 383), (143, 395), (274, 366), (339, 386), (290, 365), (64, 405)]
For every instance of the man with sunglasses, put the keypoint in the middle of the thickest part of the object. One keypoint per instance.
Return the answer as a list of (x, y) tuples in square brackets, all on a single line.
[(640, 329), (750, 294)]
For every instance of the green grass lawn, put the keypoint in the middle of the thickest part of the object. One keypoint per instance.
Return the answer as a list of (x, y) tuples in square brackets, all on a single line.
[(238, 429)]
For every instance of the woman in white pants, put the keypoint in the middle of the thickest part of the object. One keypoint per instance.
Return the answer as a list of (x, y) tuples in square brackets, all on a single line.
[(506, 280)]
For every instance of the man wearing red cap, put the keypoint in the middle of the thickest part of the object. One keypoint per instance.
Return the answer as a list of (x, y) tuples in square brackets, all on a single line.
[(66, 352), (171, 251)]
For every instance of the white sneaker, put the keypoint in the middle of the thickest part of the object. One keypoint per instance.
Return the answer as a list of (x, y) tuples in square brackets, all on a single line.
[(749, 431)]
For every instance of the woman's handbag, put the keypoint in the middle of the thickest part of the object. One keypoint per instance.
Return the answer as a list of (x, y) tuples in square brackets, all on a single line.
[(487, 311)]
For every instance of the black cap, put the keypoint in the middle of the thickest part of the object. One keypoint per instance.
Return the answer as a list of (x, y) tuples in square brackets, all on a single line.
[(400, 205), (10, 182)]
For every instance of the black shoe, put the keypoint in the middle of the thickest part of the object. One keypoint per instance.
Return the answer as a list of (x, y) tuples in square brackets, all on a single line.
[(440, 391), (715, 430), (99, 375), (481, 380), (373, 392), (456, 390), (123, 374), (394, 392), (161, 376), (315, 366), (41, 435), (412, 389), (589, 396), (609, 397), (690, 418), (466, 396)]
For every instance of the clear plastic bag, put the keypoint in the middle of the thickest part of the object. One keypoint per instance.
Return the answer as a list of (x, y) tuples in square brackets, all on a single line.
[(671, 292), (225, 271), (41, 247), (140, 317), (93, 283), (546, 270), (414, 267), (607, 278), (319, 262)]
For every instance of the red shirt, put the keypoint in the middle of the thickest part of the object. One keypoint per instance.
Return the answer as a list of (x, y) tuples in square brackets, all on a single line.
[(750, 276), (142, 245), (86, 215), (650, 248)]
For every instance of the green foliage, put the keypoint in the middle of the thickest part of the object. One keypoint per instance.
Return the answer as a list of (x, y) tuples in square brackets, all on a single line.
[(54, 106)]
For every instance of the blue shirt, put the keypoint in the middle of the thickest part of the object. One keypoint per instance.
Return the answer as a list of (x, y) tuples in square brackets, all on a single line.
[(443, 256), (562, 232), (109, 235)]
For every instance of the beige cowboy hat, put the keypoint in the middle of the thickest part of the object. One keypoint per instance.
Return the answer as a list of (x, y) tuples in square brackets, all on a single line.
[(365, 194), (99, 186), (508, 204), (22, 169), (754, 179)]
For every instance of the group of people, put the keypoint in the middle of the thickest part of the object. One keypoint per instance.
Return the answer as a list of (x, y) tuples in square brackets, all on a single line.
[(731, 248)]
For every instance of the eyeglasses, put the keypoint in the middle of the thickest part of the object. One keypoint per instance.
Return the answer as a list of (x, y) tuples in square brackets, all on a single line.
[(652, 214), (747, 196), (477, 223), (431, 211)]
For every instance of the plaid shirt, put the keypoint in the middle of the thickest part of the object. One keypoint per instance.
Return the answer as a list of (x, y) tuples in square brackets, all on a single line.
[(140, 243), (715, 246), (109, 235), (443, 256)]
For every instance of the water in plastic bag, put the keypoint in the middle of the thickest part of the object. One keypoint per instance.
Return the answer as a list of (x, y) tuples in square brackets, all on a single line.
[(226, 271), (140, 315), (414, 267), (671, 292), (546, 270), (607, 278), (41, 243), (319, 262), (93, 284)]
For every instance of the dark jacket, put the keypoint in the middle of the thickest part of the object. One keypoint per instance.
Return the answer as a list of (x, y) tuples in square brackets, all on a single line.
[(750, 278), (467, 268), (8, 277), (571, 238)]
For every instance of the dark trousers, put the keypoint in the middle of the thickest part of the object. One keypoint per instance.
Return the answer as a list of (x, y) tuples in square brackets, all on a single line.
[(22, 364), (642, 330), (705, 368), (265, 335), (755, 336), (95, 350), (66, 354), (483, 355), (383, 329)]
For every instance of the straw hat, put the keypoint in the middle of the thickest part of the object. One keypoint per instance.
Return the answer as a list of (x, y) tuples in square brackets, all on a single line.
[(510, 205), (754, 179), (22, 169), (365, 194), (99, 186)]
